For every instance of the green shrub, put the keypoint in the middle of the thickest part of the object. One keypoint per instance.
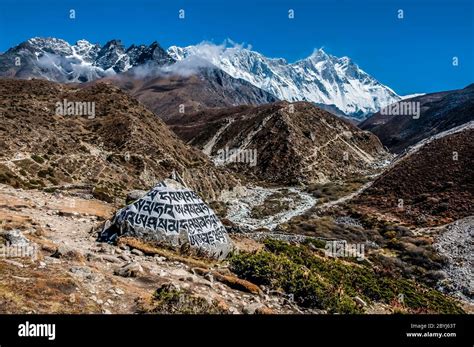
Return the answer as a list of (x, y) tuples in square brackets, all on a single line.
[(170, 300), (37, 158), (331, 284)]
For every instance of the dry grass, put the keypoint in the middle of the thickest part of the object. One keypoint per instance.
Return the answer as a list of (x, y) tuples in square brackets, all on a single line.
[(150, 249)]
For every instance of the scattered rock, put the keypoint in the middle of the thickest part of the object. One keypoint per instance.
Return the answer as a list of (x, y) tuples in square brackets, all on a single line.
[(110, 258), (159, 258), (65, 252), (360, 302), (124, 257), (13, 262), (129, 270), (106, 249), (137, 252), (233, 310), (14, 238), (92, 257), (124, 247), (208, 276), (264, 310), (68, 214), (251, 308)]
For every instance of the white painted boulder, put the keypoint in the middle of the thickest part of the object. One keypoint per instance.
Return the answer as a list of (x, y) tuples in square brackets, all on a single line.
[(173, 215)]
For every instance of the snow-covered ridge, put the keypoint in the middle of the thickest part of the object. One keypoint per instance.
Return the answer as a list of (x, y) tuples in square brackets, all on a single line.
[(409, 96), (55, 59), (321, 78)]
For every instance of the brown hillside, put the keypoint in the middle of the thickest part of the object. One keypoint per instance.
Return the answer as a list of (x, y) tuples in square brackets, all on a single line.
[(125, 146), (295, 143), (435, 189)]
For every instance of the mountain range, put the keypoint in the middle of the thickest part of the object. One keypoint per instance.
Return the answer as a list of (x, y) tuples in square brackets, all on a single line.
[(56, 60), (336, 84), (320, 78)]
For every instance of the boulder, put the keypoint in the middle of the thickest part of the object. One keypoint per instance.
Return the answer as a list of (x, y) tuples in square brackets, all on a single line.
[(129, 270), (174, 216), (68, 253)]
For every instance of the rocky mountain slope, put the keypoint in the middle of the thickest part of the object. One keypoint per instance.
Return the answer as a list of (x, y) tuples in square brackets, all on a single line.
[(56, 60), (172, 93), (438, 112), (292, 143), (432, 185), (320, 78), (124, 146)]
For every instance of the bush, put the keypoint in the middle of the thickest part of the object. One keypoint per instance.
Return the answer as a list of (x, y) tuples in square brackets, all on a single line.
[(37, 158), (331, 284), (169, 299)]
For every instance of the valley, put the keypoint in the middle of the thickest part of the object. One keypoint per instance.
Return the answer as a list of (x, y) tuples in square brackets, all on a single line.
[(229, 183)]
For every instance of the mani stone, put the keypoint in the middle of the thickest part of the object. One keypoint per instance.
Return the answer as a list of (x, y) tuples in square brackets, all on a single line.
[(173, 215), (134, 195)]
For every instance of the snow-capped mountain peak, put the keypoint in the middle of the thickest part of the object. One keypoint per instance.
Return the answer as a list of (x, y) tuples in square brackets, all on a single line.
[(337, 84), (50, 45), (55, 59), (320, 78)]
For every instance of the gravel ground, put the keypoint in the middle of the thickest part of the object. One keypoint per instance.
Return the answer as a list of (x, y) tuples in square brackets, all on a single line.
[(456, 243)]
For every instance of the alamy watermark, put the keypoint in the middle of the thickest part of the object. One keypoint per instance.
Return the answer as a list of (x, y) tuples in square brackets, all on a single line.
[(19, 251), (236, 155), (76, 108), (402, 108), (342, 249)]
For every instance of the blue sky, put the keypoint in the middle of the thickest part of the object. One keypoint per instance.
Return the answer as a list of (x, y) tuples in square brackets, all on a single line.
[(410, 55)]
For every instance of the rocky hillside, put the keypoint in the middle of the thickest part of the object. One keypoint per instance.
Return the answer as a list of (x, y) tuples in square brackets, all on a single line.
[(438, 112), (123, 146), (169, 94), (431, 185), (292, 143)]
